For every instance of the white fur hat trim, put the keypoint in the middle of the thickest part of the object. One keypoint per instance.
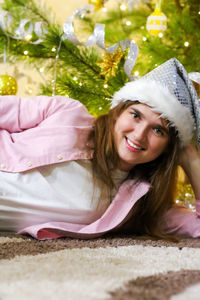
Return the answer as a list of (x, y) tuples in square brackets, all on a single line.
[(162, 101)]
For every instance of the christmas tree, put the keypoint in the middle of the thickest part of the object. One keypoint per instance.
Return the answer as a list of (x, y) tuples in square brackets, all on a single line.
[(93, 73)]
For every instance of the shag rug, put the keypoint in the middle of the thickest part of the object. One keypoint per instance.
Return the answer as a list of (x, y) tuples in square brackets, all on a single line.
[(113, 267)]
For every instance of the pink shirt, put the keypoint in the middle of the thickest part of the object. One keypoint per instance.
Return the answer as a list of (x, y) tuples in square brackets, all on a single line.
[(44, 130)]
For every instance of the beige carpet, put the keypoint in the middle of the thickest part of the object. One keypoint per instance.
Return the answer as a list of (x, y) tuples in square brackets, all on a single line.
[(113, 267)]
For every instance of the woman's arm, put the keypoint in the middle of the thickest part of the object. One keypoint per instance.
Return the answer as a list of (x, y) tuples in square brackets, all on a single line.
[(18, 114), (179, 220), (190, 162)]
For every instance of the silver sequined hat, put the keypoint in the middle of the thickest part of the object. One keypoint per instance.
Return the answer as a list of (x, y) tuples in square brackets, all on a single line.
[(169, 91)]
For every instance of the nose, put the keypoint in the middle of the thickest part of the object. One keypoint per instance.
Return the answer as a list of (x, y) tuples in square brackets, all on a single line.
[(140, 132)]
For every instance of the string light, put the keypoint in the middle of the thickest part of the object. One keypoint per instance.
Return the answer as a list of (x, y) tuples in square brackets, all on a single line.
[(29, 91), (55, 68), (128, 23), (123, 7), (28, 37)]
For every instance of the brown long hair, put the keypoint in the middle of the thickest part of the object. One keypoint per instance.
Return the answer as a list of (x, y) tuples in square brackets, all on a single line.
[(160, 173)]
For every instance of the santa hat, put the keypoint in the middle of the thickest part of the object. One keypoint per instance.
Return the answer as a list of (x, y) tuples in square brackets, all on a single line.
[(169, 91)]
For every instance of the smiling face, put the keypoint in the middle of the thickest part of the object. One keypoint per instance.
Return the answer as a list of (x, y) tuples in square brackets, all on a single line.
[(140, 136)]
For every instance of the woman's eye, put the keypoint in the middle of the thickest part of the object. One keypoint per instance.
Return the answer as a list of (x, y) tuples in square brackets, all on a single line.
[(158, 131), (135, 115)]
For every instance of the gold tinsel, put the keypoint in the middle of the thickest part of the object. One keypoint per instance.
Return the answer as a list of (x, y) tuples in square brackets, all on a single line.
[(185, 195), (97, 3), (109, 63), (8, 85)]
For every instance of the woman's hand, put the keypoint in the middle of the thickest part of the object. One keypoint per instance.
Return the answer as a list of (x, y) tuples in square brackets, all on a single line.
[(189, 158), (190, 162)]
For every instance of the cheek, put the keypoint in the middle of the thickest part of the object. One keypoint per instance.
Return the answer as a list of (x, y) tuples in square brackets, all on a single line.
[(119, 127), (158, 146), (124, 125)]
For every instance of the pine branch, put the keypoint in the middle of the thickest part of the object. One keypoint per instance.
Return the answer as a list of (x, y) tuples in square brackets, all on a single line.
[(29, 8), (178, 6), (81, 62)]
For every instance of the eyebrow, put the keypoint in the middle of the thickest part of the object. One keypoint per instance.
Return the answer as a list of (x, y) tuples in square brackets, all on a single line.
[(165, 129)]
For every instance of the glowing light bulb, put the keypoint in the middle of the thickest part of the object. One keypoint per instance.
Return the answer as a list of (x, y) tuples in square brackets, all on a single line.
[(128, 23), (30, 91), (186, 44), (105, 86), (28, 37), (25, 52), (123, 7)]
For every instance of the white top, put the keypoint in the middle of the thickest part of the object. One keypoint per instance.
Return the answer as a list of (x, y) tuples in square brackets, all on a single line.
[(61, 192)]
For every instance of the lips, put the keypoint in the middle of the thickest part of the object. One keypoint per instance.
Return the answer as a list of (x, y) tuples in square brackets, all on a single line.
[(132, 146)]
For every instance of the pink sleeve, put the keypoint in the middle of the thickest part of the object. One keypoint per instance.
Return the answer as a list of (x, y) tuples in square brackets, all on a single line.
[(181, 221), (18, 114)]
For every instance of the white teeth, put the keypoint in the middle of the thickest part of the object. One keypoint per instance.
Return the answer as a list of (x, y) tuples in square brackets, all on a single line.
[(132, 145)]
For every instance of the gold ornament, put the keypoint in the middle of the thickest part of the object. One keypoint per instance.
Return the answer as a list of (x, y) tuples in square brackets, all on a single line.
[(8, 85), (156, 22), (97, 3), (109, 63)]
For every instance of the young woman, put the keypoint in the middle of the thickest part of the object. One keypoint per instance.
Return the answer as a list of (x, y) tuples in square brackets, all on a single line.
[(65, 174)]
